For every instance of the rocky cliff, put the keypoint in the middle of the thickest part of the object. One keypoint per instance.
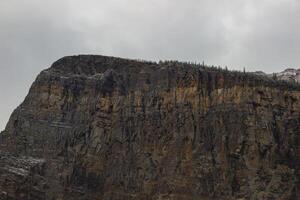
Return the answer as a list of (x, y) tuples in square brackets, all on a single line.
[(96, 127)]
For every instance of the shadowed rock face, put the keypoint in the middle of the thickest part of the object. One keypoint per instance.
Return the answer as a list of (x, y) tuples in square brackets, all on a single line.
[(21, 178), (110, 128)]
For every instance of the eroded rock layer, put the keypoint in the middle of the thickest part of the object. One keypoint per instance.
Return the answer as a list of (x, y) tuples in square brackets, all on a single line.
[(96, 127)]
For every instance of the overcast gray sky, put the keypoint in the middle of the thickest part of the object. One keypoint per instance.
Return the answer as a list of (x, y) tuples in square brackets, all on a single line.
[(256, 34)]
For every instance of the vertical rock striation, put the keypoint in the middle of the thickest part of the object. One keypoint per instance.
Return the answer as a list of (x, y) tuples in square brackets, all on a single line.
[(99, 127)]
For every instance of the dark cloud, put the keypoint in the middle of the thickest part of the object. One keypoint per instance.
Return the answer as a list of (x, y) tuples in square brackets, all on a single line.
[(256, 34)]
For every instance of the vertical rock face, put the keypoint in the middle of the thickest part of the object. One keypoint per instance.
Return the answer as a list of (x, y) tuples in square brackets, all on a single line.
[(95, 127)]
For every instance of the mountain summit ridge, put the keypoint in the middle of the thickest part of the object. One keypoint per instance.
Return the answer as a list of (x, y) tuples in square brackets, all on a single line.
[(289, 74)]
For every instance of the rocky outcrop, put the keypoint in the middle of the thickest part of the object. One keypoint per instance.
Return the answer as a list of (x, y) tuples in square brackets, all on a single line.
[(111, 128), (21, 178), (289, 75)]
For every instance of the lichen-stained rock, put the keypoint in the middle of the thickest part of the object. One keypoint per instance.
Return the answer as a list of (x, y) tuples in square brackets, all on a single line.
[(111, 128)]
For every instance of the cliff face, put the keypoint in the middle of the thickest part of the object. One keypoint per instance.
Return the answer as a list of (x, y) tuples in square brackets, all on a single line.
[(108, 128)]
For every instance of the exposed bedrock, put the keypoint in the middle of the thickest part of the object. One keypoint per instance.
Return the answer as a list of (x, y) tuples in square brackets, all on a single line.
[(96, 127)]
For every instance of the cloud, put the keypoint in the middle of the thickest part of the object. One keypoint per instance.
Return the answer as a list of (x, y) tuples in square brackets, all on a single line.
[(256, 34)]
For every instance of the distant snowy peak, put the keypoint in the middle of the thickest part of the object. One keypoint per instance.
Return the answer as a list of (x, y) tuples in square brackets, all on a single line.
[(260, 73), (289, 74)]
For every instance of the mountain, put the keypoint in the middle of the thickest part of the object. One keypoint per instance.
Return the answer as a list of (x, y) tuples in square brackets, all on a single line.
[(289, 75), (99, 128)]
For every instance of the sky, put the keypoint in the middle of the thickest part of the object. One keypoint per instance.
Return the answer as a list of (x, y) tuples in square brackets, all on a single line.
[(255, 34)]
